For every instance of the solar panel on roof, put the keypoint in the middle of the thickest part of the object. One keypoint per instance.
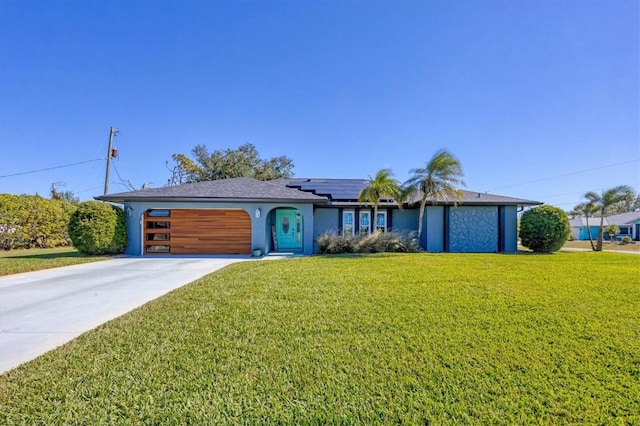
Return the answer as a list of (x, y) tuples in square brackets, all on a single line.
[(339, 189)]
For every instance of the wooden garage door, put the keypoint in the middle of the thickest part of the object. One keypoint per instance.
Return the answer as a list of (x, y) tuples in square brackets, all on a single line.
[(197, 231)]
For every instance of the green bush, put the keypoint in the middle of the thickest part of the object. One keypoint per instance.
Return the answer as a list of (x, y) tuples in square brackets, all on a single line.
[(28, 221), (377, 242), (98, 228), (612, 231), (626, 240), (544, 229)]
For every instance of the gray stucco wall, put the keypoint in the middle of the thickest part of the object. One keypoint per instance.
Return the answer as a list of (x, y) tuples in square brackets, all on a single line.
[(473, 229), (325, 220), (509, 221), (260, 231), (433, 229), (404, 221)]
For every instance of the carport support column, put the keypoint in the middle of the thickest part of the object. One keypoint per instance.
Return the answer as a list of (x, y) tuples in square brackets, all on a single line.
[(134, 229), (258, 227)]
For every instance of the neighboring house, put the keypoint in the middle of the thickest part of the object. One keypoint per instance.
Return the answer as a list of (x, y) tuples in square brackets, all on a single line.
[(235, 216), (629, 224), (579, 227)]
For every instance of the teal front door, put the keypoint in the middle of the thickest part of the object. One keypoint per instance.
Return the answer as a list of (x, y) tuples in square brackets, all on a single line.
[(288, 230)]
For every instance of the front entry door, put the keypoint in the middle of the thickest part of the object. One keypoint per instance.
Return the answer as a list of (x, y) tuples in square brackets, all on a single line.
[(289, 229)]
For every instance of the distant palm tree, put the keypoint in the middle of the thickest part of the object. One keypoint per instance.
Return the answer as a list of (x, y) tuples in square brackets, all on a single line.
[(383, 185), (601, 202), (588, 209), (438, 180)]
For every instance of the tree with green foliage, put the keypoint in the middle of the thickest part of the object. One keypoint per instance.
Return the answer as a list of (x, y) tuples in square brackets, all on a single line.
[(603, 201), (56, 194), (628, 201), (437, 180), (230, 163), (28, 221), (98, 228), (382, 186), (612, 231), (544, 229)]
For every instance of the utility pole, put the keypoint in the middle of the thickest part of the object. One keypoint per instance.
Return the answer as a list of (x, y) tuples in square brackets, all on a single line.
[(112, 132)]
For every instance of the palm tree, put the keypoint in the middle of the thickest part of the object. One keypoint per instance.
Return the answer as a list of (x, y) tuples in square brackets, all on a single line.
[(383, 185), (438, 180), (601, 202), (587, 208)]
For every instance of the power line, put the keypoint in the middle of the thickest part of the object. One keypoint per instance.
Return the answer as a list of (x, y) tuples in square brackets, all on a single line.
[(52, 168), (126, 183), (633, 185), (566, 174)]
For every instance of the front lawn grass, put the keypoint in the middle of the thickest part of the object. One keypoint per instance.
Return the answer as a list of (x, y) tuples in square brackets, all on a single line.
[(379, 339), (16, 261)]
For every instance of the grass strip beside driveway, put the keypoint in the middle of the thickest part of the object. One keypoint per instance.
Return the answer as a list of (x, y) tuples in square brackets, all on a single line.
[(16, 261), (447, 339)]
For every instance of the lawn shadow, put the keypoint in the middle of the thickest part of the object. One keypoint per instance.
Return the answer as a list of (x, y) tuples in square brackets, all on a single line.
[(43, 256)]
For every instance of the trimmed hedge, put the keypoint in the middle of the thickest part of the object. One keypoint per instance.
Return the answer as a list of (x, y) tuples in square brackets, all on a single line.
[(544, 229), (98, 228), (28, 221)]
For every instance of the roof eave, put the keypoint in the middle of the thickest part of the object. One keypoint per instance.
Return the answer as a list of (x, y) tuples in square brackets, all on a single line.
[(479, 203), (122, 200)]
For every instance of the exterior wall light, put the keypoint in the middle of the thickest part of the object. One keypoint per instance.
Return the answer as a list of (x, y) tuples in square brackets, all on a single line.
[(129, 211), (258, 212)]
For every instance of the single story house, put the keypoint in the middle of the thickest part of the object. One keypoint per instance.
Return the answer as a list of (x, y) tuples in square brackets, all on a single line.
[(579, 229), (629, 224), (236, 216)]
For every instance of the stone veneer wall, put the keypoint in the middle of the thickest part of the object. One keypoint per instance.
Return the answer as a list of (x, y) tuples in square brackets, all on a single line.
[(473, 229)]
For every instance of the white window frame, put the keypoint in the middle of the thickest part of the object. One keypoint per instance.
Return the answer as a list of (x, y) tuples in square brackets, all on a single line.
[(382, 228), (353, 223), (364, 229)]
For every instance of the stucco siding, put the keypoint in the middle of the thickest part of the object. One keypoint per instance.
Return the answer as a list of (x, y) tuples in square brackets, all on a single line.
[(473, 229), (509, 222), (325, 220), (405, 221), (433, 229), (584, 232)]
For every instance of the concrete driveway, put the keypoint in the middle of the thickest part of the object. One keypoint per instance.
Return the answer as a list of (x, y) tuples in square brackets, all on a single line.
[(44, 309)]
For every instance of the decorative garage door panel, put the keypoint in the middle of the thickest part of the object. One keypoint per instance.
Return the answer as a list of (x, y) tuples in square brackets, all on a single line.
[(199, 231)]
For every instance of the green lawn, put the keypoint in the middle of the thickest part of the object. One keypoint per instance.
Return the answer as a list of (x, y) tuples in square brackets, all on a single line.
[(380, 339), (15, 261)]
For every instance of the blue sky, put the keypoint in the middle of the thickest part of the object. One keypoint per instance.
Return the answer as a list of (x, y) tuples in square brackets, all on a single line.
[(538, 99)]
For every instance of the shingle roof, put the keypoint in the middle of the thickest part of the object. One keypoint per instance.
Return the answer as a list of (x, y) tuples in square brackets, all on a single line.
[(347, 190), (593, 221), (623, 218), (238, 189), (334, 191)]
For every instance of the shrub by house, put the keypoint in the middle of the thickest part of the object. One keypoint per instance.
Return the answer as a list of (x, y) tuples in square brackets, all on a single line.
[(98, 228), (544, 229), (30, 221)]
